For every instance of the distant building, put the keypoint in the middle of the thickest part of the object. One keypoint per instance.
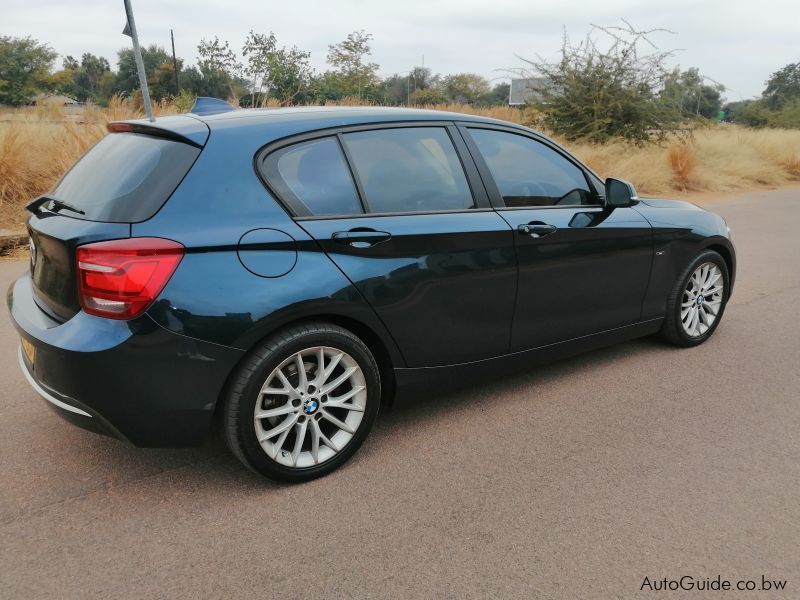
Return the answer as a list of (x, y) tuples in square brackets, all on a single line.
[(524, 90)]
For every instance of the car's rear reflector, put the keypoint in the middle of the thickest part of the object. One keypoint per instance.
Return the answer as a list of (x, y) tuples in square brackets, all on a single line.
[(120, 279), (120, 127)]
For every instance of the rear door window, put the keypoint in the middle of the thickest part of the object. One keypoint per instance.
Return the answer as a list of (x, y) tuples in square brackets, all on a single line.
[(412, 169), (125, 177), (312, 178)]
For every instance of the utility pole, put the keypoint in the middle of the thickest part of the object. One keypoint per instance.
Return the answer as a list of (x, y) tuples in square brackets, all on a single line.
[(130, 30), (175, 65)]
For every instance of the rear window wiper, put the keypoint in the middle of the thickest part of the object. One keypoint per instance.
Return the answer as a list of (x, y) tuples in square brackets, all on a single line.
[(56, 204)]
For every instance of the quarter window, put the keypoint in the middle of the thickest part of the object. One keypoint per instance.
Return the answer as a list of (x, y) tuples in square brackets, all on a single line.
[(528, 173), (413, 169), (313, 178)]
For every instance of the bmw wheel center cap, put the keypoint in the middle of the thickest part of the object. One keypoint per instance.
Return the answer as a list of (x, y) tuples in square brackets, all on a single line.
[(310, 406)]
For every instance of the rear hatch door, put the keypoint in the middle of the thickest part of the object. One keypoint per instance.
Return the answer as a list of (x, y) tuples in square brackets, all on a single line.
[(125, 178)]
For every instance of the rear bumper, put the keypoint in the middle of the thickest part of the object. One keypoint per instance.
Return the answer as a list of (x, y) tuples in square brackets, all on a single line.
[(70, 409), (133, 380)]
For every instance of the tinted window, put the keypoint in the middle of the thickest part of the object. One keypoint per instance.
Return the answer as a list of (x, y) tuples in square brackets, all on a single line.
[(409, 170), (528, 173), (126, 177), (313, 178)]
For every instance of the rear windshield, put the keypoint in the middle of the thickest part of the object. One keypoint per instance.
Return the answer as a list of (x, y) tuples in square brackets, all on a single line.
[(126, 177)]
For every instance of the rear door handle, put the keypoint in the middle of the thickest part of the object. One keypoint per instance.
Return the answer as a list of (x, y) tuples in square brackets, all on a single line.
[(361, 237), (537, 229)]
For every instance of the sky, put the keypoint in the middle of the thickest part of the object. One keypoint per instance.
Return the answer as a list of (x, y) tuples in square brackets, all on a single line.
[(738, 44)]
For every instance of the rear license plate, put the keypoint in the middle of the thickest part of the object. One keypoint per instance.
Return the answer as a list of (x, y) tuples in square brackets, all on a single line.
[(29, 350)]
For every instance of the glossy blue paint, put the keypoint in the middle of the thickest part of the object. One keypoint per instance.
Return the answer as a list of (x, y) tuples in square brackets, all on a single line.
[(163, 396), (267, 252), (589, 275), (680, 230), (443, 284)]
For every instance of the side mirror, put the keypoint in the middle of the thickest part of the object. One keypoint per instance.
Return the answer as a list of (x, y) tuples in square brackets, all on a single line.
[(620, 193)]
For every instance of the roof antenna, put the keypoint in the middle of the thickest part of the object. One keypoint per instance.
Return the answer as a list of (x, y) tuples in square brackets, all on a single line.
[(130, 30)]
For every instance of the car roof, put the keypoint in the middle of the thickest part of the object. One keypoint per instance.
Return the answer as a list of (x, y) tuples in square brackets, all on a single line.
[(269, 124), (336, 115), (264, 125)]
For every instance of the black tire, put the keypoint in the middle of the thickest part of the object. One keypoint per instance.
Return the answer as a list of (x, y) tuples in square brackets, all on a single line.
[(672, 330), (244, 391)]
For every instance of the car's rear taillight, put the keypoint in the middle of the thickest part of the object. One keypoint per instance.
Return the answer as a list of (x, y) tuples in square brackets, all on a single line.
[(119, 279)]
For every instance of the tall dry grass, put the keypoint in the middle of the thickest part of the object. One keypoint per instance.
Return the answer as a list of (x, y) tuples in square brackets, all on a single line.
[(38, 145)]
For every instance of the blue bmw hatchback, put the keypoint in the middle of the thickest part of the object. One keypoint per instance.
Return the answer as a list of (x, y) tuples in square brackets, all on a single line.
[(286, 272)]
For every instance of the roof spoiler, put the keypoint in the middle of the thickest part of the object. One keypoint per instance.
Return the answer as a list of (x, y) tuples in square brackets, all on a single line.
[(143, 128), (203, 105)]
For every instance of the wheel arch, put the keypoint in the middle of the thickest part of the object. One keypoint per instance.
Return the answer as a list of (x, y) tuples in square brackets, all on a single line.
[(377, 346), (728, 256)]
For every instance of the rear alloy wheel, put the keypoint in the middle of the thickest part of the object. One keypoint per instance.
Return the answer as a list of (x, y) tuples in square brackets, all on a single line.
[(696, 303), (303, 403)]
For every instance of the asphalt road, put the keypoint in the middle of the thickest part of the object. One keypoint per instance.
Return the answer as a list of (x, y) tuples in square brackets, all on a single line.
[(573, 480)]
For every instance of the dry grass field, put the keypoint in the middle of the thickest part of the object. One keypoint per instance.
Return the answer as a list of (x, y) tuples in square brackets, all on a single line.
[(37, 145)]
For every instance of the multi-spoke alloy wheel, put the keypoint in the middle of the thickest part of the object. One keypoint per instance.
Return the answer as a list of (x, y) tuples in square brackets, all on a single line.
[(702, 299), (696, 302), (310, 406), (302, 402)]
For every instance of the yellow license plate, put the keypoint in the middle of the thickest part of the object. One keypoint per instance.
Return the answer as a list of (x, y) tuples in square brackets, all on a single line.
[(29, 350)]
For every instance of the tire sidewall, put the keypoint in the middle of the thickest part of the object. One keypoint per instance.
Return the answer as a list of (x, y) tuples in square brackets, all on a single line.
[(249, 444)]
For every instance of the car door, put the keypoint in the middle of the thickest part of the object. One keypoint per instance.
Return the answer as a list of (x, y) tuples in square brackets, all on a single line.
[(583, 268), (400, 215)]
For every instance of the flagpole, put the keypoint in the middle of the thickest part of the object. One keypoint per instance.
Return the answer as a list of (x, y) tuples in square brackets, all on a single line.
[(137, 54)]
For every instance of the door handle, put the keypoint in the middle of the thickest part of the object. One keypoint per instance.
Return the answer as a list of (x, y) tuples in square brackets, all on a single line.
[(537, 229), (361, 237)]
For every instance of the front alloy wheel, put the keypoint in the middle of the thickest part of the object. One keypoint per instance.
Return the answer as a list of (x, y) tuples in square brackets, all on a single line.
[(702, 299), (697, 301), (303, 402)]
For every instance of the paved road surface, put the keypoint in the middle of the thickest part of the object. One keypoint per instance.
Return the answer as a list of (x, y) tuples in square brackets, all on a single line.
[(574, 480)]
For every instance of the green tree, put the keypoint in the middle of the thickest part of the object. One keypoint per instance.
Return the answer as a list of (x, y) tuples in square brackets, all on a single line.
[(70, 64), (356, 76), (184, 101), (89, 75), (687, 92), (108, 82), (401, 88), (83, 80), (192, 81), (281, 73), (423, 78), (24, 69), (788, 117), (430, 95), (395, 89), (750, 113), (783, 86), (220, 69), (127, 81), (464, 88), (497, 96), (63, 82), (598, 93), (328, 86)]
